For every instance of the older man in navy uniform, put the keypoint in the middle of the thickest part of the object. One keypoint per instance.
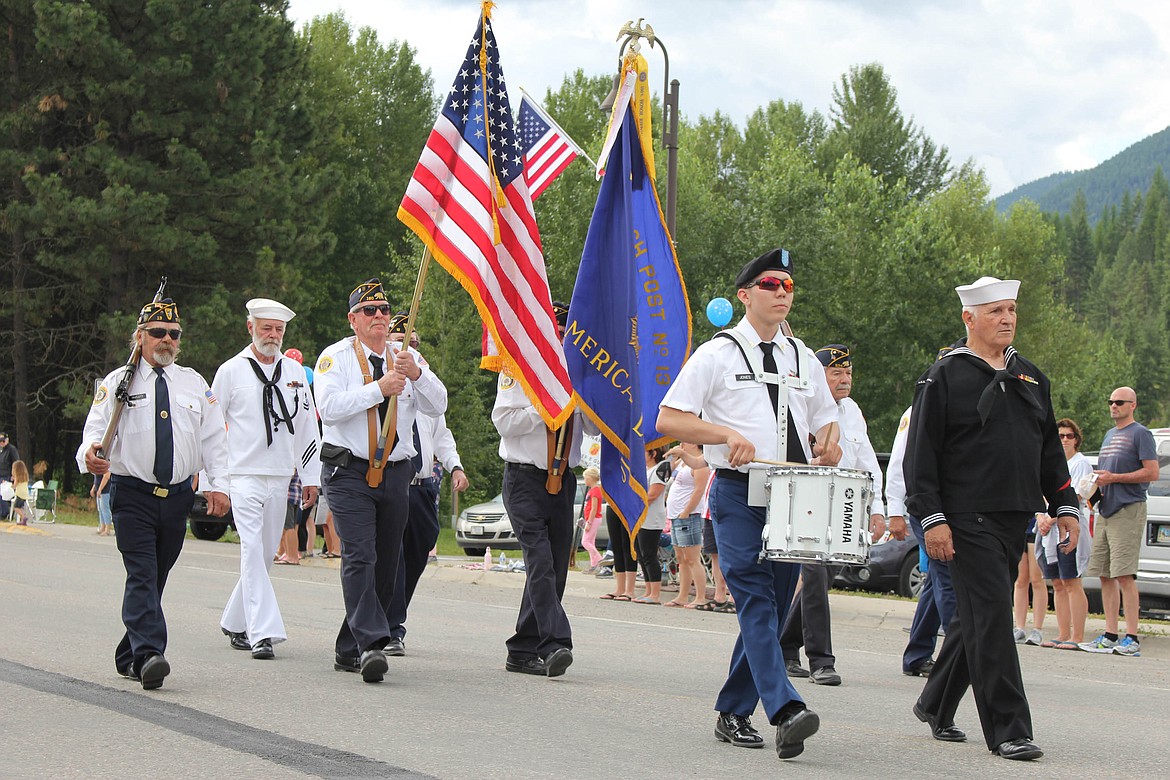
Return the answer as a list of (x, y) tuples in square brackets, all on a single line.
[(355, 379), (982, 458), (755, 394), (171, 427)]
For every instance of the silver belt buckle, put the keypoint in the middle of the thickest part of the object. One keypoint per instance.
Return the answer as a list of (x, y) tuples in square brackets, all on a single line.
[(161, 492)]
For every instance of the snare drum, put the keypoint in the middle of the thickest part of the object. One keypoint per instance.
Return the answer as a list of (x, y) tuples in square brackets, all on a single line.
[(817, 514)]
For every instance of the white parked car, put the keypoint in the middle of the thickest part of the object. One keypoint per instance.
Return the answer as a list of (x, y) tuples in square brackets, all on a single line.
[(487, 525)]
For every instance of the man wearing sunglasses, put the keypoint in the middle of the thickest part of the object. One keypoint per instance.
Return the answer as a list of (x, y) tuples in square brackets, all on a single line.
[(718, 401), (1125, 469), (171, 428), (272, 435), (355, 379), (982, 457)]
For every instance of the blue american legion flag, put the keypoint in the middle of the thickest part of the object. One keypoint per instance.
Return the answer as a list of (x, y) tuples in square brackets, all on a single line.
[(468, 202), (548, 150), (629, 326)]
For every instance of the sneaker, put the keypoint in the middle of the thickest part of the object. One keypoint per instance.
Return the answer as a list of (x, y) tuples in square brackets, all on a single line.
[(1019, 635), (604, 571), (607, 559), (1128, 646), (794, 669), (1035, 638), (1101, 644), (826, 675)]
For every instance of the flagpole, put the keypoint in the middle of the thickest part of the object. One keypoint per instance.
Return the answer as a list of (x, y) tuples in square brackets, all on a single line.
[(546, 116)]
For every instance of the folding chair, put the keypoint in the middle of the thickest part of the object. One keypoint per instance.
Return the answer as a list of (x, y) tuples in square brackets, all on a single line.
[(44, 503)]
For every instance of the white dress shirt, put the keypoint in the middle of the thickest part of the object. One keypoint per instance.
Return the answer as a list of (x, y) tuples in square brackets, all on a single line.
[(436, 441), (895, 477), (716, 383), (857, 451), (241, 395), (196, 420), (343, 398), (523, 434)]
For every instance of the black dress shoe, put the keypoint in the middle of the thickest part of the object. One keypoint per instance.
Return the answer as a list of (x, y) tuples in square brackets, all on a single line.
[(558, 661), (238, 639), (373, 665), (793, 730), (737, 730), (395, 647), (922, 670), (153, 670), (534, 665), (948, 733), (347, 663), (262, 650), (1022, 749), (794, 669)]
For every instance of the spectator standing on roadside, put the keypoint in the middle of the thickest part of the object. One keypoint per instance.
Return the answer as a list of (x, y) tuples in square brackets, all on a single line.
[(685, 504), (591, 516), (101, 495), (1128, 463), (1029, 577), (8, 456)]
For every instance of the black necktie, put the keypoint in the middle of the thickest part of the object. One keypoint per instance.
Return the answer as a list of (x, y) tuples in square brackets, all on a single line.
[(384, 407), (416, 460), (795, 452), (273, 396), (164, 435)]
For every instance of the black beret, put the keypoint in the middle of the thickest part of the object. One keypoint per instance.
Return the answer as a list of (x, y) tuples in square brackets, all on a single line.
[(772, 260), (835, 355)]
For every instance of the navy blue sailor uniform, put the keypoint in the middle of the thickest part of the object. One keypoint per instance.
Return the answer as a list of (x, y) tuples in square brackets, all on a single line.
[(717, 384), (150, 510), (369, 520), (983, 456)]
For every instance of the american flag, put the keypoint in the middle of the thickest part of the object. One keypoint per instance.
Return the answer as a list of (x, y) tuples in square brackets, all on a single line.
[(548, 150), (476, 218)]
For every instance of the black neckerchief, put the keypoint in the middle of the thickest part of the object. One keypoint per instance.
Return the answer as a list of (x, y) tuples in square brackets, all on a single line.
[(273, 419), (1001, 380)]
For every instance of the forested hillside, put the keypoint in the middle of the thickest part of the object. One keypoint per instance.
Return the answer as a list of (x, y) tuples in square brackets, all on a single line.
[(241, 158), (1126, 173)]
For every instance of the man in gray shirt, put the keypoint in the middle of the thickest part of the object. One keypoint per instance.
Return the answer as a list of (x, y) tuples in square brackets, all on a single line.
[(1127, 465)]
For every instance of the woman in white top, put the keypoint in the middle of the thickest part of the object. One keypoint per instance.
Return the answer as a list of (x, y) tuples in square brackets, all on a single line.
[(649, 537), (1065, 569), (684, 506)]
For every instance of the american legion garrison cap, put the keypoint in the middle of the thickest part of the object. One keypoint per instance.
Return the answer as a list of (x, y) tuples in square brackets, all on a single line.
[(368, 291), (772, 260), (397, 323), (835, 356), (165, 310), (561, 312)]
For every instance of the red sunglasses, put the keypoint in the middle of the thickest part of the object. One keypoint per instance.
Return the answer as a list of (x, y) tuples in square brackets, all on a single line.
[(772, 284)]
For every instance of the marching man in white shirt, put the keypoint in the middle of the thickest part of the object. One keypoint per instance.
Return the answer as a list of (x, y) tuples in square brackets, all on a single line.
[(272, 432)]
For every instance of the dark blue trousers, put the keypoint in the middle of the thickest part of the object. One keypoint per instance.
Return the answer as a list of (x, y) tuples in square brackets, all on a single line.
[(763, 594), (978, 651), (543, 524), (936, 608), (422, 531), (150, 537), (369, 522)]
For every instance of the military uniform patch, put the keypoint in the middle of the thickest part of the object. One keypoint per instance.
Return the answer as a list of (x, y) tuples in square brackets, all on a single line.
[(100, 396), (507, 382), (324, 364)]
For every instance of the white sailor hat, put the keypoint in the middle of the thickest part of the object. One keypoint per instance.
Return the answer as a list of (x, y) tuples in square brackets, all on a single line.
[(988, 289), (268, 309)]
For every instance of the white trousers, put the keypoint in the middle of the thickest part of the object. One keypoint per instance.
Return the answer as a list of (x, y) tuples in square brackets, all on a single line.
[(259, 505)]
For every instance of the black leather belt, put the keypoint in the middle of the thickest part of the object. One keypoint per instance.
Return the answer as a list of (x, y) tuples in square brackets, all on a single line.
[(159, 491), (526, 467), (732, 474)]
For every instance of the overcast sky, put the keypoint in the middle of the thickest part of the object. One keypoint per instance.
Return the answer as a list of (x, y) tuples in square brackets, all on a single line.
[(1024, 87)]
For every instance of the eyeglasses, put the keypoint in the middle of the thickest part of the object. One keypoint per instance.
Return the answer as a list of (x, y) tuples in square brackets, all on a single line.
[(1118, 403), (161, 333), (772, 284), (1067, 435), (370, 311)]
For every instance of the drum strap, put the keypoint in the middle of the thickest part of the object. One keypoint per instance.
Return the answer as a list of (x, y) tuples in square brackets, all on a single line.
[(754, 358)]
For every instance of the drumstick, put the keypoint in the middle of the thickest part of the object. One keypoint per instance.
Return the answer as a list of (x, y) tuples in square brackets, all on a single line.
[(777, 462)]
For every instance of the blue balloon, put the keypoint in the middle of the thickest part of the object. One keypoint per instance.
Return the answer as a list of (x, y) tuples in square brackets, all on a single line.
[(308, 375), (719, 312)]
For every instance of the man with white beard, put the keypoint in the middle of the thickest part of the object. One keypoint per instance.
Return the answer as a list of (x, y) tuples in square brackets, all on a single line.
[(170, 428), (272, 432)]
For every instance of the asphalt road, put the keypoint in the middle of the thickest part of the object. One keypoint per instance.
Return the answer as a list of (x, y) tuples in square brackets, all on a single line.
[(636, 702)]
